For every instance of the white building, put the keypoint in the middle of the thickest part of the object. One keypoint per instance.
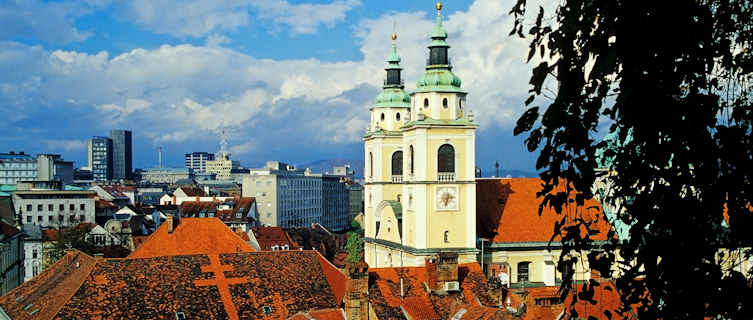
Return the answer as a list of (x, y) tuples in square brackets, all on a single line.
[(198, 161), (16, 167), (286, 197), (166, 175), (33, 250), (54, 208)]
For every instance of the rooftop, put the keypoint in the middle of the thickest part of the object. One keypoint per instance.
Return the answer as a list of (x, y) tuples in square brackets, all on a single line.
[(191, 236)]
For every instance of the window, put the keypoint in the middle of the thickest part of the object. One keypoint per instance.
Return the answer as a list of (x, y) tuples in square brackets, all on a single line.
[(266, 309), (50, 207), (49, 218), (81, 218), (61, 207), (39, 207), (446, 158), (371, 165), (82, 207), (39, 218), (382, 117), (397, 116), (444, 103), (397, 163), (446, 236), (523, 270), (460, 104), (28, 219), (34, 253), (180, 316), (411, 159), (72, 207), (28, 208)]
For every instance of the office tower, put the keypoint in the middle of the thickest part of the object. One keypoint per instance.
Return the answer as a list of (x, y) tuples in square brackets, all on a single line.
[(122, 154)]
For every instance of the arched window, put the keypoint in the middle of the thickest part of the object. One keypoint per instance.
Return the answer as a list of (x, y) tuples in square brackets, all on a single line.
[(446, 158), (371, 165), (444, 103), (382, 117), (523, 271), (426, 103), (446, 236), (460, 104), (411, 159), (397, 163), (397, 116)]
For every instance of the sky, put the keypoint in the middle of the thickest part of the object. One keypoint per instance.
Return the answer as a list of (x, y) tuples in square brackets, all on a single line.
[(286, 80)]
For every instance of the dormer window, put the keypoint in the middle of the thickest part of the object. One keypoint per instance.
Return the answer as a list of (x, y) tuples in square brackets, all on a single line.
[(180, 315), (266, 310), (275, 248), (285, 247)]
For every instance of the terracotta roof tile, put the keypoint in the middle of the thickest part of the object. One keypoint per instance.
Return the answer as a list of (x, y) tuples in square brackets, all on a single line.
[(270, 236), (193, 192), (335, 278), (507, 212), (210, 208), (325, 314), (192, 236)]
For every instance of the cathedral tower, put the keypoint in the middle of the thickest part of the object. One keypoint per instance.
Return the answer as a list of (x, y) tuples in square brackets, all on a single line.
[(430, 207)]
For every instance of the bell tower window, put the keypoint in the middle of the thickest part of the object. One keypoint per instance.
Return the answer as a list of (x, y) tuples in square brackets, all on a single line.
[(411, 159), (426, 103), (382, 117), (446, 158), (446, 236), (371, 165), (397, 163), (444, 103), (397, 116)]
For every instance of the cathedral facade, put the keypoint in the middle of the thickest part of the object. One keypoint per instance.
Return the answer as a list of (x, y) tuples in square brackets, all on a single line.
[(419, 149)]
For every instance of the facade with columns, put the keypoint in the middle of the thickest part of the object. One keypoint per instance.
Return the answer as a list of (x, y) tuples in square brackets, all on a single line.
[(419, 149)]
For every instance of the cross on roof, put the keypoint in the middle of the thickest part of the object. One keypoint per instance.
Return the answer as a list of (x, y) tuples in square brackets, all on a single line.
[(222, 283)]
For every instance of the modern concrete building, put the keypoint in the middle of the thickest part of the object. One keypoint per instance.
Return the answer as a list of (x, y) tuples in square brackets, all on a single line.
[(335, 205), (100, 158), (198, 161), (53, 167), (222, 166), (355, 199), (286, 197), (166, 175), (52, 207), (16, 167), (122, 154)]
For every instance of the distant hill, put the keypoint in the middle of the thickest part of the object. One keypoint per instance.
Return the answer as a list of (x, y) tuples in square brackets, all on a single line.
[(322, 166)]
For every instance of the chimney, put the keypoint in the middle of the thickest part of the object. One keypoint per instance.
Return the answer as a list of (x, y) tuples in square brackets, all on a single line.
[(169, 224), (442, 272), (357, 291)]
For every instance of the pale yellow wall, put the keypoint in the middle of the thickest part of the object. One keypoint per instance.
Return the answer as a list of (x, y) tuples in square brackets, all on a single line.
[(537, 258), (388, 228)]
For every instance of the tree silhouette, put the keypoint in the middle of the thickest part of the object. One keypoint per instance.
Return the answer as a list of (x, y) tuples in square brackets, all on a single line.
[(672, 82)]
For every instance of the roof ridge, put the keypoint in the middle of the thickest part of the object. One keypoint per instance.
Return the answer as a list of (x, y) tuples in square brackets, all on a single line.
[(83, 279)]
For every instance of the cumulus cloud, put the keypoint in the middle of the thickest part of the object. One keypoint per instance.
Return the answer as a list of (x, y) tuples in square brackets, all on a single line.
[(198, 18), (179, 93)]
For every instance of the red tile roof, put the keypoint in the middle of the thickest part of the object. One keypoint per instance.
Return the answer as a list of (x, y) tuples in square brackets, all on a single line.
[(326, 314), (194, 208), (8, 230), (270, 236), (193, 192), (117, 191), (192, 236), (507, 212), (335, 278), (214, 286), (385, 297)]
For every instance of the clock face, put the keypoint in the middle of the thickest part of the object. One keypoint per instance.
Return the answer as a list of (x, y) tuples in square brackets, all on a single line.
[(447, 198)]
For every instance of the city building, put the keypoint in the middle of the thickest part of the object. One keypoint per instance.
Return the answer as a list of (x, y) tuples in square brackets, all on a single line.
[(198, 161), (286, 196), (335, 203), (51, 206), (53, 167), (236, 213), (222, 166), (166, 175), (16, 167), (122, 154), (419, 151), (100, 156), (517, 239), (11, 257), (117, 194), (33, 251), (355, 199)]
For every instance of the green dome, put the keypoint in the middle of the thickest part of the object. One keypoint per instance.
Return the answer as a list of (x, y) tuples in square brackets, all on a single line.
[(393, 97), (438, 80)]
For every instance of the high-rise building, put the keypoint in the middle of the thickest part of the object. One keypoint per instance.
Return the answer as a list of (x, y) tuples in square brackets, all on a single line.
[(222, 166), (53, 167), (100, 158), (122, 154), (335, 205), (16, 167), (420, 184), (198, 161)]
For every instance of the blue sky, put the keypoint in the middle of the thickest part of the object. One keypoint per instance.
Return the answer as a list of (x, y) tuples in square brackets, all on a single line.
[(288, 80)]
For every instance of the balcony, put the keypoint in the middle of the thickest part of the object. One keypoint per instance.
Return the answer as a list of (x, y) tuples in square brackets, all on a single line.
[(397, 179), (446, 176)]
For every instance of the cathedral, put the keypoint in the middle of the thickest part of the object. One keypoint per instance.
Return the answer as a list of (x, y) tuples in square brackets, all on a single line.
[(419, 149)]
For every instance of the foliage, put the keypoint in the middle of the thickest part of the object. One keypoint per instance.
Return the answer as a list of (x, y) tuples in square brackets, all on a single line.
[(673, 81), (355, 243), (72, 237)]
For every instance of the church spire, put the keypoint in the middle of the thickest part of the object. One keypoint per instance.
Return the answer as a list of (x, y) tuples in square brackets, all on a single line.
[(438, 47), (438, 75), (393, 67)]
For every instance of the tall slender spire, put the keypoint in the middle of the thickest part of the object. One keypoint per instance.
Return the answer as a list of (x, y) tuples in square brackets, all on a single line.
[(393, 94), (438, 75)]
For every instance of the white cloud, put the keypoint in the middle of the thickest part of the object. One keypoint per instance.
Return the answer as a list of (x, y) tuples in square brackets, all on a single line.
[(52, 22), (66, 145), (187, 93), (197, 18)]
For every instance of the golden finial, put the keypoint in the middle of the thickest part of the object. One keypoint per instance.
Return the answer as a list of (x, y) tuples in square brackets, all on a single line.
[(439, 7), (394, 36)]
